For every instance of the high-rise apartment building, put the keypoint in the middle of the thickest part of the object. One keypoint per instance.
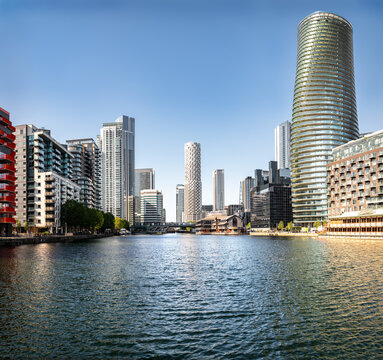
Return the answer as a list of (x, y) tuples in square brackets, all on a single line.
[(117, 164), (218, 189), (152, 211), (324, 109), (193, 184), (179, 203), (7, 174), (282, 134), (44, 172), (87, 170)]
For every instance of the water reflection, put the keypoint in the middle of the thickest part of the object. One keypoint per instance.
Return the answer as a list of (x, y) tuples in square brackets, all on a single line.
[(190, 296)]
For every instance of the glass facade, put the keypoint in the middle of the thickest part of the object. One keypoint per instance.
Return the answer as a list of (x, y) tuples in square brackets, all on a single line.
[(324, 109)]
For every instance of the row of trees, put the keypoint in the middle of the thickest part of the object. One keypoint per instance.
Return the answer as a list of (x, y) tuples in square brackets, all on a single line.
[(291, 227), (78, 217)]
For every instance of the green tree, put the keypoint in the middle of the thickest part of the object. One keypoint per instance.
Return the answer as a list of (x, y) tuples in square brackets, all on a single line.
[(289, 226), (281, 225), (99, 219), (118, 223), (18, 225), (108, 221), (26, 226), (317, 224)]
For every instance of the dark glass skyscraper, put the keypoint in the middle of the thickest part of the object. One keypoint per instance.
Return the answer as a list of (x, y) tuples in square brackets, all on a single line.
[(324, 109)]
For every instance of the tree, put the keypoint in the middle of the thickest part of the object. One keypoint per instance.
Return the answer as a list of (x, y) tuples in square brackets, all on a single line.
[(108, 221), (100, 219), (26, 226), (281, 225), (289, 226), (317, 224), (118, 223), (18, 225)]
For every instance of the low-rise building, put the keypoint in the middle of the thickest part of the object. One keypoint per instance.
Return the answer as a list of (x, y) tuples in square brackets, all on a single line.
[(232, 224)]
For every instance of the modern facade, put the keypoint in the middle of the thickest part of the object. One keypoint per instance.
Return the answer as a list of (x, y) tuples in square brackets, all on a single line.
[(144, 180), (218, 189), (193, 184), (282, 137), (7, 174), (152, 211), (44, 172), (355, 176), (87, 170), (117, 163), (324, 109), (270, 198), (179, 202)]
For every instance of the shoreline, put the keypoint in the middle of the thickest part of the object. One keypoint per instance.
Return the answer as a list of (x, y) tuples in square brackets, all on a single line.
[(33, 240)]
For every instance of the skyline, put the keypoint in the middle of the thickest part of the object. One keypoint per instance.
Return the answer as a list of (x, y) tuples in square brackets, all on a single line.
[(210, 76)]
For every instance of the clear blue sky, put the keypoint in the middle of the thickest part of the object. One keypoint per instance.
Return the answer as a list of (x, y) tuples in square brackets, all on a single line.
[(220, 72)]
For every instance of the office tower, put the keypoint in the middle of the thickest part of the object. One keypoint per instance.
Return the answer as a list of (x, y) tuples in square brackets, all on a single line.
[(355, 176), (246, 186), (7, 174), (218, 189), (144, 180), (44, 172), (273, 172), (179, 203), (87, 168), (324, 109), (282, 135), (117, 164), (152, 211), (193, 185)]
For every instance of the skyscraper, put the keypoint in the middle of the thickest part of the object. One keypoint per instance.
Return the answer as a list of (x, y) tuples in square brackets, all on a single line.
[(246, 185), (324, 109), (218, 189), (282, 134), (179, 202), (151, 206), (117, 150), (193, 184)]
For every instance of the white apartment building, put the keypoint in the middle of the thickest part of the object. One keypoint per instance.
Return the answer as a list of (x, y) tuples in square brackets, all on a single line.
[(282, 134)]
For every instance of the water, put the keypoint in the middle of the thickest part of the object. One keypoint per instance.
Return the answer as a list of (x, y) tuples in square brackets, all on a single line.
[(193, 297)]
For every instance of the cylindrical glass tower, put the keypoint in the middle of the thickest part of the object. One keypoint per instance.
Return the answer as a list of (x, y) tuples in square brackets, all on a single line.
[(324, 110)]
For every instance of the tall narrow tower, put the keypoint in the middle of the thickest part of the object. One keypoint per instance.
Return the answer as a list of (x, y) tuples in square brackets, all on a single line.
[(117, 149), (282, 134), (218, 189), (324, 109), (193, 184)]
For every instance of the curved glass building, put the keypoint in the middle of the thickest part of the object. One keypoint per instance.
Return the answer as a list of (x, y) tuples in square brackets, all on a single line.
[(324, 109)]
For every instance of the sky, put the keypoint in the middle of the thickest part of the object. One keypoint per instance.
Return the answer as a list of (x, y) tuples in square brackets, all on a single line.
[(218, 72)]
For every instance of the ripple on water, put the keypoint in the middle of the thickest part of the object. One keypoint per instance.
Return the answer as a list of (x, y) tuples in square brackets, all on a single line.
[(193, 297)]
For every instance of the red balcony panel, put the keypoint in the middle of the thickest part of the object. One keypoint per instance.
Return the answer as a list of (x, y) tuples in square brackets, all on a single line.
[(6, 121), (7, 209), (7, 136), (8, 198), (7, 167), (7, 220), (8, 144), (12, 128), (4, 111), (7, 157), (6, 177), (5, 187)]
